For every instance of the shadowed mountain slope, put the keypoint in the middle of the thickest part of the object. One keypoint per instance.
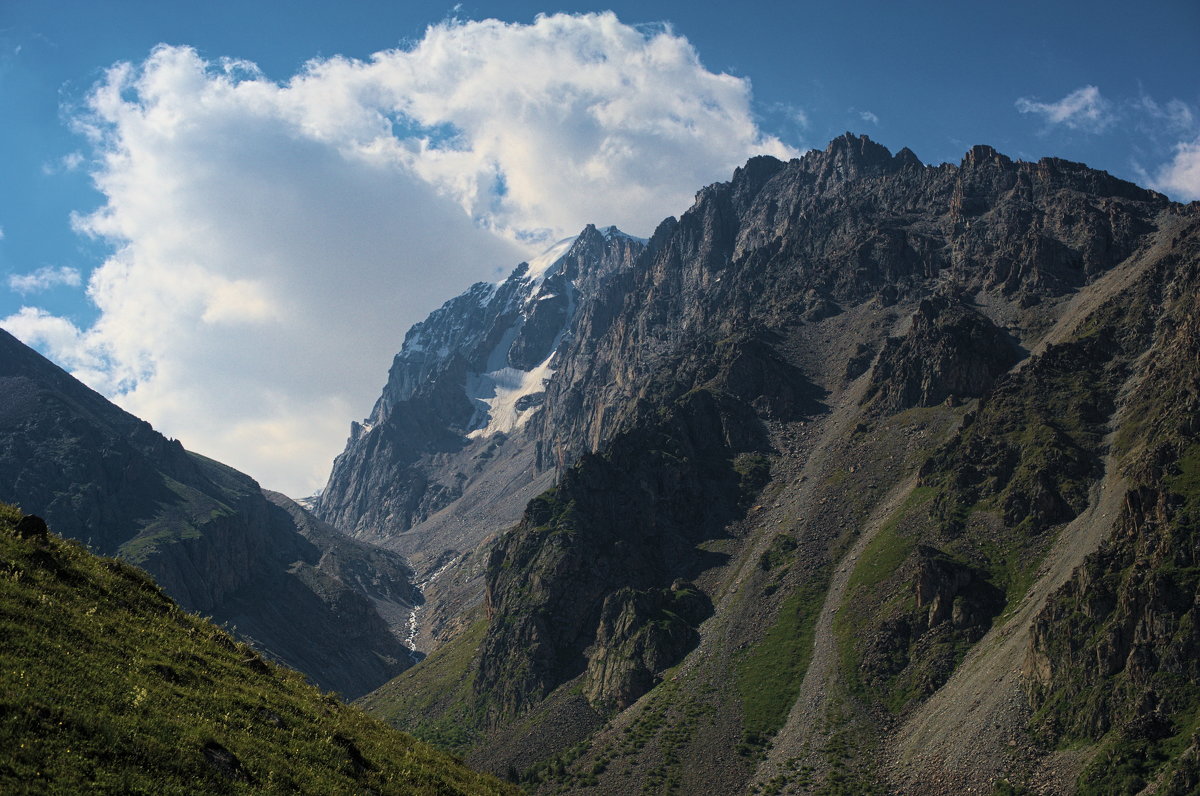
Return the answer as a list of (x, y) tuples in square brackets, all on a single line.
[(220, 545)]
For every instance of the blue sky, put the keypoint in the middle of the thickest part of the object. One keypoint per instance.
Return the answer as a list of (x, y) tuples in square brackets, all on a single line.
[(233, 248)]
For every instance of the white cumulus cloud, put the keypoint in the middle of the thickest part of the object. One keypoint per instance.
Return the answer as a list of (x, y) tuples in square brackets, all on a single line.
[(1083, 109), (272, 241), (1180, 177), (44, 278)]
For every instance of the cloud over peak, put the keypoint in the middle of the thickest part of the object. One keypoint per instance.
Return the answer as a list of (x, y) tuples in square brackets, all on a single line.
[(272, 241), (1180, 177), (535, 129)]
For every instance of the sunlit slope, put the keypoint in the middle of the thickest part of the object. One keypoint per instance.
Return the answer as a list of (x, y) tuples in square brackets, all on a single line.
[(106, 685)]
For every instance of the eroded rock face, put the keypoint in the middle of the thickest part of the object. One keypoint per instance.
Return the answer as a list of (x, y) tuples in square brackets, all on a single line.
[(954, 606), (588, 571), (640, 635), (949, 591), (1117, 650), (950, 352), (788, 243)]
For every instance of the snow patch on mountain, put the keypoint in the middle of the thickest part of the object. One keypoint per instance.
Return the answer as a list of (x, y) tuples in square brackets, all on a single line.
[(497, 391), (539, 265), (502, 390)]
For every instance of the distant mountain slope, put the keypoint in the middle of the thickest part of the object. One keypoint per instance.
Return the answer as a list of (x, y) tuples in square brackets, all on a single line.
[(446, 457), (466, 379), (107, 686), (209, 535), (832, 455)]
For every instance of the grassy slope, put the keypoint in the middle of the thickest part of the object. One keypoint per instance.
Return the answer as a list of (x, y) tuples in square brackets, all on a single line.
[(107, 685), (769, 676), (434, 700)]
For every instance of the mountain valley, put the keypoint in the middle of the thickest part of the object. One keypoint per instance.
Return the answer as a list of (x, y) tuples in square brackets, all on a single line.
[(860, 476)]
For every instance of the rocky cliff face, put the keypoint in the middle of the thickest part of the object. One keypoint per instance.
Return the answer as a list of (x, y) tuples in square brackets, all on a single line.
[(926, 366), (641, 634), (782, 244), (1113, 655), (209, 534), (587, 563), (467, 379), (949, 353)]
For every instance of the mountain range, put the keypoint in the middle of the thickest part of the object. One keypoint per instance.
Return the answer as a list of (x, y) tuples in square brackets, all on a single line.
[(862, 475)]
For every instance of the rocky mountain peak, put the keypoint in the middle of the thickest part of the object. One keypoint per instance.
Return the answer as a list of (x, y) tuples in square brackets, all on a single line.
[(756, 172), (468, 377), (851, 157), (982, 155)]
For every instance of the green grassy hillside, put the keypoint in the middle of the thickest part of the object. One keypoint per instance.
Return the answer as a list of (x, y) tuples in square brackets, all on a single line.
[(106, 685)]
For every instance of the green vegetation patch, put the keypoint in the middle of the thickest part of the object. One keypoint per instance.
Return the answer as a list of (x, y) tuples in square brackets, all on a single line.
[(1186, 481), (877, 566), (779, 554), (435, 700), (754, 471), (887, 551), (769, 676), (106, 685)]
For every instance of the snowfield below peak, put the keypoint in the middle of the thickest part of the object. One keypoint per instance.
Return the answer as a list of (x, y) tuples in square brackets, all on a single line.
[(502, 390)]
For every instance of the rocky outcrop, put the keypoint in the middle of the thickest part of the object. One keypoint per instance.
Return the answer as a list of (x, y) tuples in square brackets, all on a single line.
[(641, 634), (584, 565), (907, 657), (949, 591), (1034, 446), (950, 352), (208, 534)]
